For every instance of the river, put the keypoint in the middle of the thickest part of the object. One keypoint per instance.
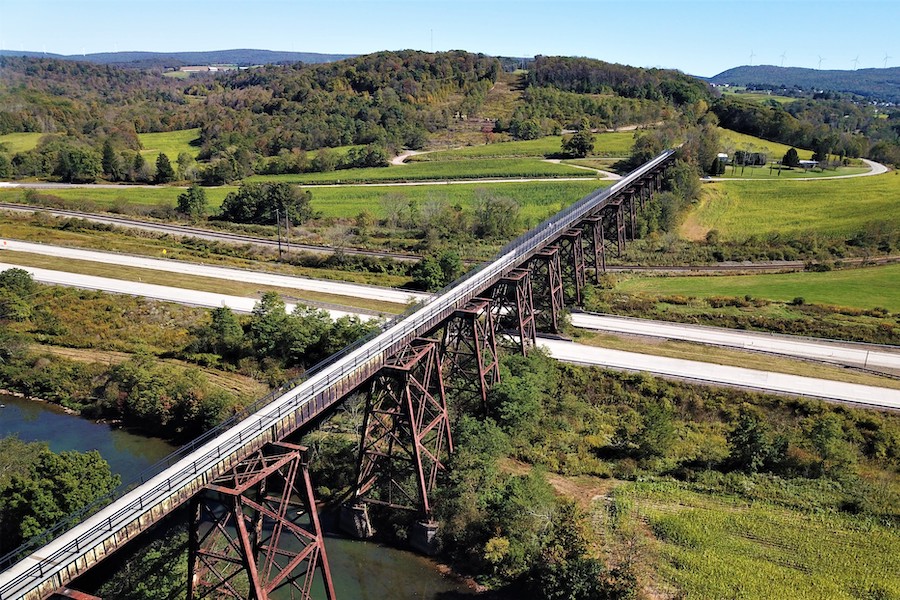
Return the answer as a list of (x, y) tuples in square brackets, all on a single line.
[(361, 570)]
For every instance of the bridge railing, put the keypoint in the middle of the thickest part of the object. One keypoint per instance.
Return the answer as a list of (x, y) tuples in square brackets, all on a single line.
[(415, 321)]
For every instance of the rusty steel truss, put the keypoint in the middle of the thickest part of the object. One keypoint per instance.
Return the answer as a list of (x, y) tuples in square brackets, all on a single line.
[(255, 530), (406, 434), (571, 250), (512, 305), (547, 287), (469, 352), (595, 244)]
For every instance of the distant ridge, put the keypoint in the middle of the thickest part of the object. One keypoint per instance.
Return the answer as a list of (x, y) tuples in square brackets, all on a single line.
[(877, 84), (242, 57)]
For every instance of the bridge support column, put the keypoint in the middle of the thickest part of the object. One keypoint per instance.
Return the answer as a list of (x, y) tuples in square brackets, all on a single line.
[(512, 305), (620, 230), (406, 433), (547, 288), (255, 530), (632, 215), (572, 263), (469, 352), (596, 247)]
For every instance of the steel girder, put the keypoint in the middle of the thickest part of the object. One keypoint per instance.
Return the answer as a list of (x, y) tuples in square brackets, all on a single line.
[(596, 245), (512, 305), (547, 288), (469, 352), (255, 530), (572, 262), (406, 433)]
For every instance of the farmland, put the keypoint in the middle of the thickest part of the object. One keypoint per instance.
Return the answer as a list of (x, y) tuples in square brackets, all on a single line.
[(732, 140), (769, 172), (615, 144), (861, 288), (170, 143), (20, 142), (828, 208), (449, 170), (718, 545)]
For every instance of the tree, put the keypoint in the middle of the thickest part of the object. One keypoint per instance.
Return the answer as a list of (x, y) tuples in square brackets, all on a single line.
[(164, 171), (265, 203), (55, 486), (791, 158), (495, 216), (581, 143), (223, 335), (16, 290), (76, 165), (112, 163), (192, 202), (139, 169)]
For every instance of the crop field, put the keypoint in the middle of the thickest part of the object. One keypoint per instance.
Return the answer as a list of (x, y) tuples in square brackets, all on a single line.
[(830, 208), (20, 142), (171, 143), (759, 97), (860, 288), (605, 144), (741, 141), (720, 546), (537, 199), (449, 170), (769, 172)]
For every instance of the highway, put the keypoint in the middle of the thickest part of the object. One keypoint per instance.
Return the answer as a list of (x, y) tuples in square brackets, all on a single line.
[(340, 288), (845, 353), (704, 372)]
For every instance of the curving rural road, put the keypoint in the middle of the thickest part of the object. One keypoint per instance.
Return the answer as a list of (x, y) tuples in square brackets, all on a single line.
[(865, 395)]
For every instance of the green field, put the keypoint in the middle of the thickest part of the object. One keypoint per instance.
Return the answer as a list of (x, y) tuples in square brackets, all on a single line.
[(449, 170), (732, 140), (721, 546), (770, 173), (831, 208), (861, 288), (759, 97), (537, 199), (20, 142), (605, 144), (171, 143)]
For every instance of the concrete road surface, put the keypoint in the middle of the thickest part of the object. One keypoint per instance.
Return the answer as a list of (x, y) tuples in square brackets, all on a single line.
[(845, 353)]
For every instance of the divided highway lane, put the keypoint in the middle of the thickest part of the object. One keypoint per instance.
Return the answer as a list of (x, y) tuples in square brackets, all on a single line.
[(845, 353), (566, 351), (173, 266)]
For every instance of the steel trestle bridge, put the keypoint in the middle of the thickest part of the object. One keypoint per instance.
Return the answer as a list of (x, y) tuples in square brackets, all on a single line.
[(203, 464)]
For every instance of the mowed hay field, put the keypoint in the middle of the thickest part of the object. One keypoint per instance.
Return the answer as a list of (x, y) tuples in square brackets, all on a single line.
[(732, 140), (864, 288), (170, 143), (616, 144), (20, 142), (717, 546), (830, 208)]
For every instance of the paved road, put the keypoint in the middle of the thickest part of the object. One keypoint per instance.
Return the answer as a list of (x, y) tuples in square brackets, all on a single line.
[(173, 266), (845, 353), (567, 351)]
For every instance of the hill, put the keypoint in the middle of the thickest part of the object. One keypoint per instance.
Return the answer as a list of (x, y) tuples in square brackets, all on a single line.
[(875, 84), (242, 57)]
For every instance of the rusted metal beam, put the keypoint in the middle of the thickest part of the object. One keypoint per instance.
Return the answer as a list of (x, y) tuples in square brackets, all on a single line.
[(547, 288), (571, 253), (596, 247), (406, 434), (469, 353), (255, 530), (512, 305)]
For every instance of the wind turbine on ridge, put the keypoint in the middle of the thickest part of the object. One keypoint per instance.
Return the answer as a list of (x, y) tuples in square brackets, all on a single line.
[(855, 62), (752, 54), (820, 62), (886, 57), (783, 55)]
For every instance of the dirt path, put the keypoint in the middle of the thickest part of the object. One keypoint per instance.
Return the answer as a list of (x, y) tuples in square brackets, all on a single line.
[(400, 159), (607, 175)]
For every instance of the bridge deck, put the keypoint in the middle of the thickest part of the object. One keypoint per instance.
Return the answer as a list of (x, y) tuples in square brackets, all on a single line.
[(75, 551)]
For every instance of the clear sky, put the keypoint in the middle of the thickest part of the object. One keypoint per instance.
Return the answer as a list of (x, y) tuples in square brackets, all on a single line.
[(701, 37)]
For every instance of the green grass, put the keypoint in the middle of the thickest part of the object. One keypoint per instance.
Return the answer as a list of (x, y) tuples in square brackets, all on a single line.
[(20, 142), (720, 546), (861, 288), (449, 170), (831, 208), (759, 97), (605, 144), (768, 173), (732, 140), (171, 143), (537, 200)]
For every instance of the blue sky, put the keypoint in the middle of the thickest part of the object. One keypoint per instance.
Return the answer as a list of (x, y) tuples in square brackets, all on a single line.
[(699, 37)]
